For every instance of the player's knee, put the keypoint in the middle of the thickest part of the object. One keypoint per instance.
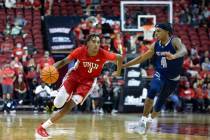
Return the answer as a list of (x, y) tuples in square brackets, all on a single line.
[(77, 99), (59, 101), (61, 98)]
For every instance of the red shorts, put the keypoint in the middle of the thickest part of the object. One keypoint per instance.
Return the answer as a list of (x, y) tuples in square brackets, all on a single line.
[(75, 84)]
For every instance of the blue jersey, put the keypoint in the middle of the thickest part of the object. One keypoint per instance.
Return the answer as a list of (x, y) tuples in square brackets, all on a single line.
[(169, 69)]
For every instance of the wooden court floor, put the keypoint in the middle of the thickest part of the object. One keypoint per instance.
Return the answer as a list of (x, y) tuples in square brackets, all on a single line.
[(106, 127)]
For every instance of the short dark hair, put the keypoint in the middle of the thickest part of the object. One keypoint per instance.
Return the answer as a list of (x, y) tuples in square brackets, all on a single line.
[(89, 37), (165, 26)]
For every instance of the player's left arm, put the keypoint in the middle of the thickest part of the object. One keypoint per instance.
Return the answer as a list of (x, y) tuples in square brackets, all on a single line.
[(118, 62), (180, 48)]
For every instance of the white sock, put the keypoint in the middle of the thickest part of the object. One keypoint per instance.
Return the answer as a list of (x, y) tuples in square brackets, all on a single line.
[(47, 124), (143, 118)]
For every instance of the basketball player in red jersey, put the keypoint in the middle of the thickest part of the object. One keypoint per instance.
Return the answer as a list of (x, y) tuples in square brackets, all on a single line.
[(80, 80)]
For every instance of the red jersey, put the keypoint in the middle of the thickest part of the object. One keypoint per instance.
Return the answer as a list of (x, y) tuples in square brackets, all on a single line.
[(90, 66)]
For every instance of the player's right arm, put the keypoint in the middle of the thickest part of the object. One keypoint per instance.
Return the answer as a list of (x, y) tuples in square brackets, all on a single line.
[(73, 55), (147, 55)]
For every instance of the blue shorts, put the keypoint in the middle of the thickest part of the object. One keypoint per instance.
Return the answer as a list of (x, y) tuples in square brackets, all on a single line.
[(162, 88)]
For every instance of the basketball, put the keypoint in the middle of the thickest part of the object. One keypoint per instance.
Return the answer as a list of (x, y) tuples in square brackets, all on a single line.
[(49, 74)]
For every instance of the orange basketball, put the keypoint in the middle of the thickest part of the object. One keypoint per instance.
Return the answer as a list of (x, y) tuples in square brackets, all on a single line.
[(49, 74)]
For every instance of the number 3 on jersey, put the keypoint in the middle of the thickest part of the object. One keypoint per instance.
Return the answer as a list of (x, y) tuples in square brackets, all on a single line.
[(163, 62)]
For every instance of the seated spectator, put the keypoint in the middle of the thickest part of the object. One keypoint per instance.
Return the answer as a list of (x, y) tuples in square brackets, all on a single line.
[(106, 42), (19, 23), (117, 90), (96, 99), (45, 61), (18, 51), (42, 96), (206, 91), (17, 66), (187, 94), (150, 71), (175, 101), (10, 3), (205, 55), (199, 98), (30, 64), (20, 89), (32, 84), (206, 64)]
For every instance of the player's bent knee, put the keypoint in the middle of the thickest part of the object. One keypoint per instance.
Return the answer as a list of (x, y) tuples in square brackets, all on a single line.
[(59, 101), (77, 99), (61, 98)]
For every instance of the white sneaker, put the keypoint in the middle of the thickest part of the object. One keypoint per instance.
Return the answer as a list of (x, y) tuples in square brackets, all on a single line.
[(114, 111), (20, 102), (101, 111), (141, 128)]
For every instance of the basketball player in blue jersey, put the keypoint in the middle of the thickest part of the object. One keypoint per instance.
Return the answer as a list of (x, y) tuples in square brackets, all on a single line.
[(168, 53)]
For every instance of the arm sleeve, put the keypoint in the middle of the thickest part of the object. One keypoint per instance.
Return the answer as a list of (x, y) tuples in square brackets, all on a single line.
[(74, 54), (109, 56)]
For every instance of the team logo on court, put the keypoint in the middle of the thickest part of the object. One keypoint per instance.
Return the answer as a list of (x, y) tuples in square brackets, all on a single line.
[(90, 66)]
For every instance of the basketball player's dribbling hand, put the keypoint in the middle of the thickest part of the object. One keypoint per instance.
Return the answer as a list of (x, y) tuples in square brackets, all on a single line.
[(115, 74), (169, 56)]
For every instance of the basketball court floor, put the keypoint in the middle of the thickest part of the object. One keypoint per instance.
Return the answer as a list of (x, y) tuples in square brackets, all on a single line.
[(106, 127)]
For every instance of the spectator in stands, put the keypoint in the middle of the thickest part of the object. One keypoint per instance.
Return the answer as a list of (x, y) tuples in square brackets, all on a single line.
[(32, 84), (10, 3), (175, 101), (207, 79), (106, 42), (17, 66), (150, 71), (205, 55), (46, 61), (96, 98), (31, 64), (20, 89), (42, 96), (187, 94), (8, 77), (184, 17), (206, 64), (117, 89), (207, 96), (199, 98), (1, 77), (19, 23), (18, 51), (119, 45), (48, 7)]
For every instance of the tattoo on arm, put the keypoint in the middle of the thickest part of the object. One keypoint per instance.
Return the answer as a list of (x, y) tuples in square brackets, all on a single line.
[(181, 50)]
